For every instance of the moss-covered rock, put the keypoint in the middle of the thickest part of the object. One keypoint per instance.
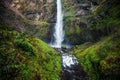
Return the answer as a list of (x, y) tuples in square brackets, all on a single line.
[(75, 30), (76, 14)]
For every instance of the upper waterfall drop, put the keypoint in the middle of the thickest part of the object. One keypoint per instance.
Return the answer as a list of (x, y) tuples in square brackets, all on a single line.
[(59, 32)]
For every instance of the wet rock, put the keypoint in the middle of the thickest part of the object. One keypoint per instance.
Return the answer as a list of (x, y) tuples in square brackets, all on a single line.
[(81, 13), (49, 1), (74, 73)]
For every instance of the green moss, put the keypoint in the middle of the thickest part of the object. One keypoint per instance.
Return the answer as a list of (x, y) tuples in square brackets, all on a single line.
[(110, 66), (41, 23), (75, 30), (26, 46), (69, 8)]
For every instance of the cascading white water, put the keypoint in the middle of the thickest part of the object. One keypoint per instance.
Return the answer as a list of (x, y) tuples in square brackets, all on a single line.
[(59, 33)]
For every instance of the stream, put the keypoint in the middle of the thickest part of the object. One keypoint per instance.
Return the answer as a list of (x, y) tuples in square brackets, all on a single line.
[(72, 70)]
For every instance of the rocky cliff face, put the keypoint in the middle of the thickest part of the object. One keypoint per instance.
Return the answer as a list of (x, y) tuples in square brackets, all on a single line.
[(80, 19), (76, 20), (32, 9), (37, 17), (31, 16)]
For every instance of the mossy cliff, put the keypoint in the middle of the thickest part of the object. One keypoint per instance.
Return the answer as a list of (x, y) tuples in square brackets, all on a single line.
[(76, 14), (89, 20), (100, 57)]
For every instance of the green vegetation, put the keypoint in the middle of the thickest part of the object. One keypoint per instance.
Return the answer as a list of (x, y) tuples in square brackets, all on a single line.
[(69, 7), (105, 20), (100, 60), (74, 29), (75, 25), (23, 57)]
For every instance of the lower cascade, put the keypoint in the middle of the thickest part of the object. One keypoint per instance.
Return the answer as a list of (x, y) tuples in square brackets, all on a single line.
[(72, 70)]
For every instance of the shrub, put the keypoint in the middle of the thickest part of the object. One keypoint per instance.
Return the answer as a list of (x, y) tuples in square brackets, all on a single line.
[(26, 46)]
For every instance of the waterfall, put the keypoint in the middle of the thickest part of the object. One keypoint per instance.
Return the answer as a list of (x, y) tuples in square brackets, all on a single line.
[(58, 33)]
